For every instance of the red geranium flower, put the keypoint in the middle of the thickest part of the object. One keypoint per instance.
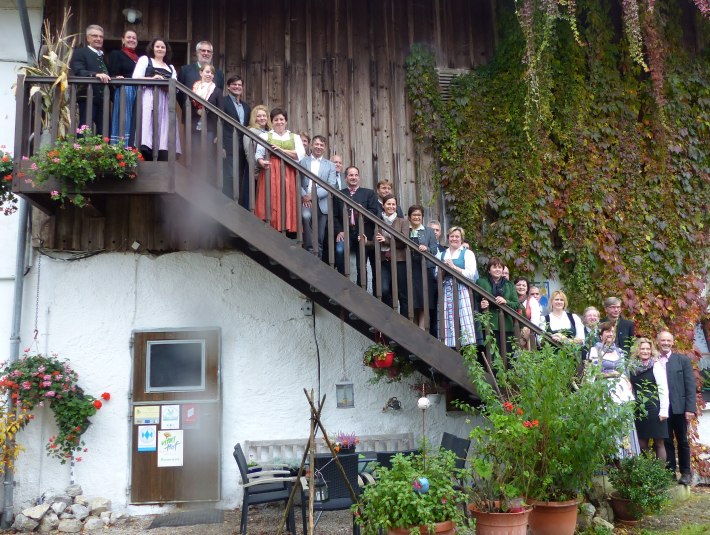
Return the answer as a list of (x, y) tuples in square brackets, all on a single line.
[(97, 404), (105, 396)]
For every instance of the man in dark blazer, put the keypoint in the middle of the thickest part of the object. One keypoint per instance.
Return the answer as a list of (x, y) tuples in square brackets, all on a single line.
[(89, 61), (234, 106), (682, 391), (189, 74), (368, 199), (625, 336), (314, 197)]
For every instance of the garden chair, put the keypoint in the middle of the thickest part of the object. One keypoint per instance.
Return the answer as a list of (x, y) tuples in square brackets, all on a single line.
[(265, 486), (384, 458), (339, 498), (457, 445)]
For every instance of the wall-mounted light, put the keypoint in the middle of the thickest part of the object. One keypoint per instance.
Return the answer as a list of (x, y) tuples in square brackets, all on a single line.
[(132, 15), (345, 393)]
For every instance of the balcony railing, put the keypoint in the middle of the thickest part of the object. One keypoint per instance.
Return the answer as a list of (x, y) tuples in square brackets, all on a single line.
[(35, 123)]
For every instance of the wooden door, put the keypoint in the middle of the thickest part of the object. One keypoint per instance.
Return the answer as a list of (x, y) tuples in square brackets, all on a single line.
[(175, 416)]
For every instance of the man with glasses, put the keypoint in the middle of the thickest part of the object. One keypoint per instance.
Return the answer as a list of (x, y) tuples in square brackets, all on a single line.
[(625, 336), (189, 74), (89, 61)]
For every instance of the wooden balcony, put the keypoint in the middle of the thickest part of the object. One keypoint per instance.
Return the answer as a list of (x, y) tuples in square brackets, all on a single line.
[(178, 204)]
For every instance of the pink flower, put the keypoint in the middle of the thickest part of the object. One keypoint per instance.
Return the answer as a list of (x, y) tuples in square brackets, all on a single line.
[(55, 160), (40, 369), (54, 193), (26, 385), (25, 158), (46, 377), (45, 384), (33, 166), (97, 147), (77, 146), (50, 394), (78, 459)]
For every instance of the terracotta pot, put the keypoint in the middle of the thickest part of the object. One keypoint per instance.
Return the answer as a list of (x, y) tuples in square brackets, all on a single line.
[(625, 512), (384, 363), (500, 523), (553, 518), (442, 528)]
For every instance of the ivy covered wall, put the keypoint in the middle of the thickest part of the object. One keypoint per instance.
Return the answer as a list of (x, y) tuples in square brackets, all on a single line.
[(583, 149)]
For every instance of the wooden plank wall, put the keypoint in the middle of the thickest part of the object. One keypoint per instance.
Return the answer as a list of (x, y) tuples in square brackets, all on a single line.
[(336, 66)]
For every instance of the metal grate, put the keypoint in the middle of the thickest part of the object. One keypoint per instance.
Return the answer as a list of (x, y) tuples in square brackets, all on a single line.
[(445, 78)]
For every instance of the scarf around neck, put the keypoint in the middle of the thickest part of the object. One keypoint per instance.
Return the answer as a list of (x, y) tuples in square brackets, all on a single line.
[(131, 53), (389, 218), (203, 90)]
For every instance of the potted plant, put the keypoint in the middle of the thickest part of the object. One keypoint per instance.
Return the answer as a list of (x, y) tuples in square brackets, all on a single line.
[(641, 485), (378, 356), (345, 442), (79, 159), (418, 495), (37, 379), (565, 442), (8, 201)]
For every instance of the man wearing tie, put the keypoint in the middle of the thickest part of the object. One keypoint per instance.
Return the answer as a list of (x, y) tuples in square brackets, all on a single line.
[(89, 61), (368, 199), (682, 392), (235, 107), (325, 170)]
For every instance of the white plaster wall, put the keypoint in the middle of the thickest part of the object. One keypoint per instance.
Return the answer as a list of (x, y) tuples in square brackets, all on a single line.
[(88, 309)]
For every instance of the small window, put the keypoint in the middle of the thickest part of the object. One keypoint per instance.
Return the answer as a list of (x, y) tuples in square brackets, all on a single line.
[(175, 366)]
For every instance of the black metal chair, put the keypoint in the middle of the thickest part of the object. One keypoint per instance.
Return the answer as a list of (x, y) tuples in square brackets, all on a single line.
[(384, 458), (266, 486), (457, 445), (339, 498)]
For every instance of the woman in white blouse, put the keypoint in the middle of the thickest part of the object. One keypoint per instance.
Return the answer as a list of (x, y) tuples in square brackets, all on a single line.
[(562, 325), (463, 261), (649, 375), (287, 144)]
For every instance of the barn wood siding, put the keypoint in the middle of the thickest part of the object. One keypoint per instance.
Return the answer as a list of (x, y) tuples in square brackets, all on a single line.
[(336, 66)]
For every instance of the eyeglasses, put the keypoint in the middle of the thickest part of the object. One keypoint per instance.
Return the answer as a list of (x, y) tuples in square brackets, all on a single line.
[(205, 51)]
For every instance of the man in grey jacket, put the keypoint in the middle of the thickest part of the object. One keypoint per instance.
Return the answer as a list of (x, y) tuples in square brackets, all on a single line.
[(682, 391), (314, 197)]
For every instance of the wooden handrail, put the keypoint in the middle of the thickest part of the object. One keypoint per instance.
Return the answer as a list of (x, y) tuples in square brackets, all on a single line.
[(22, 147)]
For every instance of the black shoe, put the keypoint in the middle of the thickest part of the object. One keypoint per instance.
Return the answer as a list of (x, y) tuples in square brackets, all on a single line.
[(685, 479)]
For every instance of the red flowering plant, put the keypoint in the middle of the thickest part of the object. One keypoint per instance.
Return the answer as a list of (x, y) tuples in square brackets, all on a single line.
[(8, 201), (77, 160), (36, 380)]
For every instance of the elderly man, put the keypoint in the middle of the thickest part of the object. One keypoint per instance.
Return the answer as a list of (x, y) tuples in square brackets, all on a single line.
[(189, 74), (624, 328), (314, 196), (681, 391), (337, 161), (89, 61)]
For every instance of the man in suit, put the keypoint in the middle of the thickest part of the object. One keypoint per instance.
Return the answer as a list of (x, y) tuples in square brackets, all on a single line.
[(324, 169), (235, 107), (337, 161), (368, 199), (89, 61), (189, 74), (434, 225), (384, 187), (624, 328), (682, 391)]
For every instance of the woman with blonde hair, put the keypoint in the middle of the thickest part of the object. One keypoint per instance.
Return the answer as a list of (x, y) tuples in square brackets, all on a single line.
[(259, 123), (562, 325), (648, 375)]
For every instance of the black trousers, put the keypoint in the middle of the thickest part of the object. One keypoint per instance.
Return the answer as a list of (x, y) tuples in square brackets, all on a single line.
[(97, 114), (678, 427)]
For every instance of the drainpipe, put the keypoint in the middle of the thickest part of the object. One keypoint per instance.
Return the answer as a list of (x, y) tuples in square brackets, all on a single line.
[(26, 31), (9, 483)]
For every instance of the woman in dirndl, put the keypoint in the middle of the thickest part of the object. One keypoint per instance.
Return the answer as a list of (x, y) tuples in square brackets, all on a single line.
[(288, 144)]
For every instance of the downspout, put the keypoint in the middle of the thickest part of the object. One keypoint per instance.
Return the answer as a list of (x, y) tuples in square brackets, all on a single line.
[(21, 250)]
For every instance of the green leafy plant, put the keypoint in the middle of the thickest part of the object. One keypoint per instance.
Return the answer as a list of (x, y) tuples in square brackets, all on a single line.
[(78, 160), (35, 380), (540, 438), (644, 480), (419, 490), (8, 201)]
